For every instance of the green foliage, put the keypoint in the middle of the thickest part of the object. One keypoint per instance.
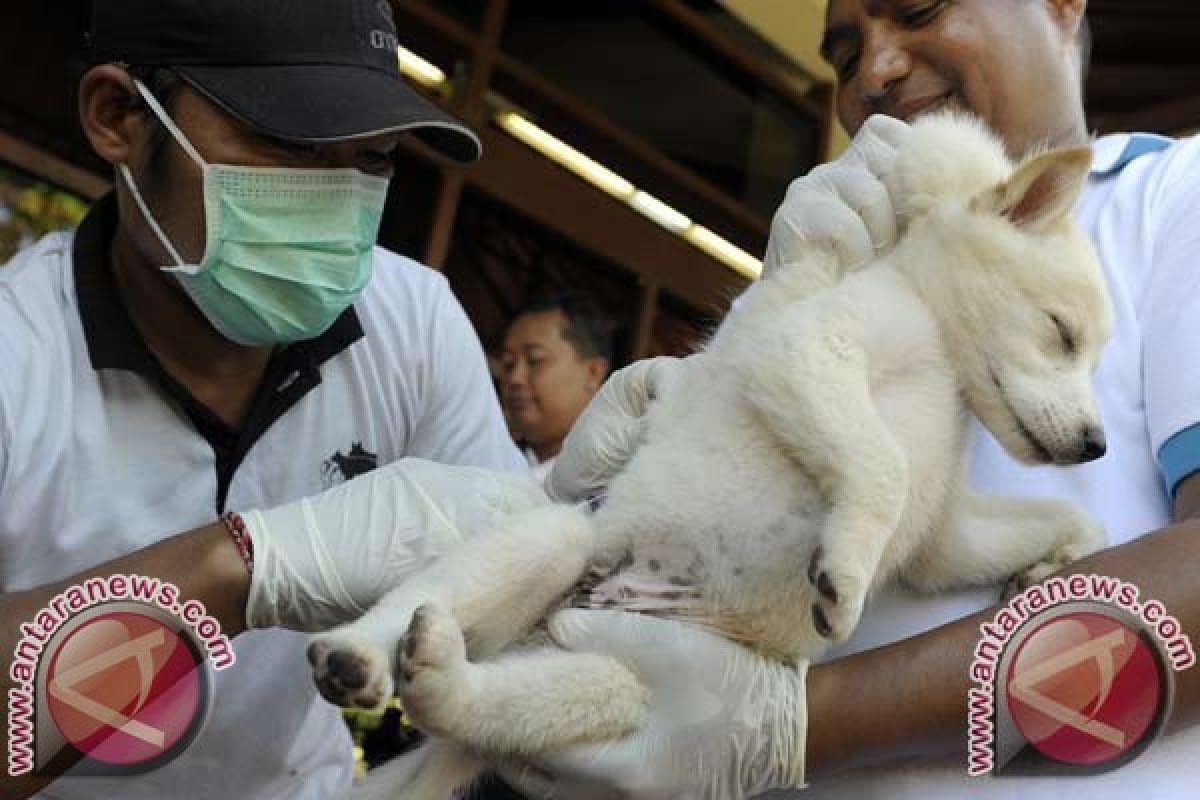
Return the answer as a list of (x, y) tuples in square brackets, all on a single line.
[(29, 211)]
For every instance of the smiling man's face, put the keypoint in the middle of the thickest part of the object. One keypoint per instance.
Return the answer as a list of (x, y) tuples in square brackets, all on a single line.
[(1013, 62)]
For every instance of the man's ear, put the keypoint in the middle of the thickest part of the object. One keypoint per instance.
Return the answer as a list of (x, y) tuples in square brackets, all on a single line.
[(1042, 191), (109, 111), (597, 370), (1068, 14)]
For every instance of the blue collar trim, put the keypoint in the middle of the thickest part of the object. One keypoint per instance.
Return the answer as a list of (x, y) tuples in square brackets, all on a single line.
[(1136, 146)]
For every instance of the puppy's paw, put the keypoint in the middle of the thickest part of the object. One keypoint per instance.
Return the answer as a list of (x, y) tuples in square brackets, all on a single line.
[(1059, 559), (1029, 577), (432, 667), (1082, 536), (351, 673), (841, 592)]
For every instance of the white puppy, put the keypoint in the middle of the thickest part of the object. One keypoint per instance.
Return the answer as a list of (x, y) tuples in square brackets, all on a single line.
[(814, 451)]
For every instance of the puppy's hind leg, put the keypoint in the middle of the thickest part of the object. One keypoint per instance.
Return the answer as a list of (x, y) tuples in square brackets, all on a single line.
[(496, 585), (987, 539), (520, 704)]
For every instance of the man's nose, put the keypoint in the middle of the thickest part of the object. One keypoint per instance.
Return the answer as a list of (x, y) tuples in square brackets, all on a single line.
[(516, 375), (883, 64)]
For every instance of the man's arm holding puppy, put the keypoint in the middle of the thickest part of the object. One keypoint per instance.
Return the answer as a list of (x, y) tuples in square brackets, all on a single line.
[(910, 698)]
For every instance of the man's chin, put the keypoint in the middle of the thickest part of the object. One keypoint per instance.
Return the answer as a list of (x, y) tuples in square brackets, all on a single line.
[(527, 433)]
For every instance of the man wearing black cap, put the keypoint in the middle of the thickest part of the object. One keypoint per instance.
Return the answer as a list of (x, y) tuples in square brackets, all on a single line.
[(221, 332)]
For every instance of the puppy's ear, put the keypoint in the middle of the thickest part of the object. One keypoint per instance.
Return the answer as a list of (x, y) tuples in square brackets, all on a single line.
[(1042, 191)]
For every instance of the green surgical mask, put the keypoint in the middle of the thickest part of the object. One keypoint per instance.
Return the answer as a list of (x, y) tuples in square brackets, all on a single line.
[(286, 250)]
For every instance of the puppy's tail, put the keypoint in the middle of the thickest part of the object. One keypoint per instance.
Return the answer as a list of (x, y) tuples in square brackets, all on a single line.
[(437, 771)]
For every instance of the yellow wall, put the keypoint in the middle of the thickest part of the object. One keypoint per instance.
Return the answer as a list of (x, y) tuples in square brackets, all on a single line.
[(795, 27)]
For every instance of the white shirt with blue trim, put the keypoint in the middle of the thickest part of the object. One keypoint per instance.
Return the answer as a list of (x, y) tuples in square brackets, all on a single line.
[(1142, 211)]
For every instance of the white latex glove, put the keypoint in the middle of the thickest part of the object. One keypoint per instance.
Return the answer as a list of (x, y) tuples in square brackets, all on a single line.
[(605, 436), (324, 560), (842, 205), (724, 724)]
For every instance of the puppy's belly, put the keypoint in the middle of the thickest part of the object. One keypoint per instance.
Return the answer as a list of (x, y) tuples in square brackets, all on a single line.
[(747, 583), (712, 524)]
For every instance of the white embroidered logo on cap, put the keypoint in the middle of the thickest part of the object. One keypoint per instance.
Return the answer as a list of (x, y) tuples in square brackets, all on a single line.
[(385, 39)]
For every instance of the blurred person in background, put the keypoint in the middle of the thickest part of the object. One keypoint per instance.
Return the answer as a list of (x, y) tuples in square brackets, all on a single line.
[(557, 352)]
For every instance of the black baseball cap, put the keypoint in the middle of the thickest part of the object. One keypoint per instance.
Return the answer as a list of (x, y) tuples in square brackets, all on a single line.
[(302, 70)]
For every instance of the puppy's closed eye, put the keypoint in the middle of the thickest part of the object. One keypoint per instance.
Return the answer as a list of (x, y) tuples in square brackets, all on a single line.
[(1069, 343)]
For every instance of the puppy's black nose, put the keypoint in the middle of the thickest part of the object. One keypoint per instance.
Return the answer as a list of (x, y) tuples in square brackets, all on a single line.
[(1094, 445)]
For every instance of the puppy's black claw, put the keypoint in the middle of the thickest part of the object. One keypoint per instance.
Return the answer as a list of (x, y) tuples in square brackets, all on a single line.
[(813, 569), (826, 588), (820, 622)]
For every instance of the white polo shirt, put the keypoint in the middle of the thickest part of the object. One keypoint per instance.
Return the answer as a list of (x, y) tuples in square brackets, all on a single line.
[(540, 470), (101, 453), (1142, 210)]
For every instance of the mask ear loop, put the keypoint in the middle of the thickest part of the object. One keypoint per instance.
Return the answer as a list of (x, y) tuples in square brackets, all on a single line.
[(165, 119), (169, 123), (180, 265)]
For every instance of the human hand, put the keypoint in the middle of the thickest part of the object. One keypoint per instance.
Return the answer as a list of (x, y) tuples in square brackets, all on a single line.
[(843, 205), (725, 723), (324, 560), (608, 432)]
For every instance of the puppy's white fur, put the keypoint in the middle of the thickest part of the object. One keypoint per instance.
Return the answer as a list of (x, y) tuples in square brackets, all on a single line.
[(813, 452)]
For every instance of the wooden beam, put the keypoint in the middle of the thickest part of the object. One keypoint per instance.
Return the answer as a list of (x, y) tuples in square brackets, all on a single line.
[(660, 162), (588, 117), (1173, 117), (43, 164), (1158, 8), (472, 106), (555, 198), (643, 335), (445, 215), (1137, 37), (1131, 83)]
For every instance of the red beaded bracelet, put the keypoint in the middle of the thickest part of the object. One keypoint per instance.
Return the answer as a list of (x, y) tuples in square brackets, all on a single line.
[(236, 527)]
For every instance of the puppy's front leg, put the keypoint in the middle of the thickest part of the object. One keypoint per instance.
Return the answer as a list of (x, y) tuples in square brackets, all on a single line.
[(496, 586), (987, 539)]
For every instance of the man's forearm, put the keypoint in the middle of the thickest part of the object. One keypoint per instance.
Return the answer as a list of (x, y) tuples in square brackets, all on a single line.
[(204, 564), (909, 699)]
